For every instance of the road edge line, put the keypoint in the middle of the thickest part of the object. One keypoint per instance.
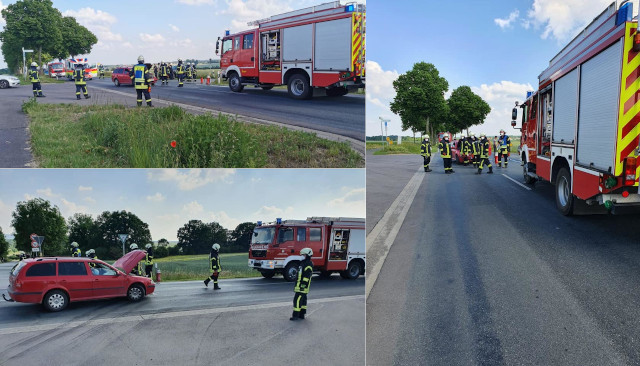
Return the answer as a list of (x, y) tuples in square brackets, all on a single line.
[(516, 182)]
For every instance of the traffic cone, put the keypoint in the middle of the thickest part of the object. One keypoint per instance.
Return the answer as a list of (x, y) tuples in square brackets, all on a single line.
[(201, 80), (208, 79)]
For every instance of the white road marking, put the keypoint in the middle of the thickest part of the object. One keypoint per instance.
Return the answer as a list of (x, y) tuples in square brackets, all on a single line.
[(516, 182), (383, 235), (166, 315)]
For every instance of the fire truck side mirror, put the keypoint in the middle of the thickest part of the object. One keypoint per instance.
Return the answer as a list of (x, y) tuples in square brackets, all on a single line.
[(514, 116), (218, 46)]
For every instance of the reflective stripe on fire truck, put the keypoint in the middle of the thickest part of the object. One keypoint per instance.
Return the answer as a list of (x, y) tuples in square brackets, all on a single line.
[(357, 40), (629, 117)]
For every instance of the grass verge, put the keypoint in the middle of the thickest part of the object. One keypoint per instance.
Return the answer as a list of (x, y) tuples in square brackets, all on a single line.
[(404, 148), (114, 136), (196, 267), (44, 79)]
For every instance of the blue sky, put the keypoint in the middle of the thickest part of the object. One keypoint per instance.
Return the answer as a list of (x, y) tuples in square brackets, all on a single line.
[(168, 198), (497, 47), (164, 29)]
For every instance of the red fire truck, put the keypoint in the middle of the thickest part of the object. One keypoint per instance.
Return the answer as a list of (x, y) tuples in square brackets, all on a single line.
[(317, 47), (580, 129), (338, 245), (56, 69)]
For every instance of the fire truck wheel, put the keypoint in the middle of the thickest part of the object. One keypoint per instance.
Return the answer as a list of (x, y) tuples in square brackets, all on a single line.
[(4, 84), (527, 178), (353, 270), (234, 83), (290, 272), (299, 87), (564, 197), (268, 274)]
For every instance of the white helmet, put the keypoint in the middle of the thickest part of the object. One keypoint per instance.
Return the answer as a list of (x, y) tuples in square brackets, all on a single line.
[(90, 251), (483, 135), (133, 246), (141, 59), (148, 246), (306, 251), (426, 137), (215, 247), (74, 244), (502, 131), (34, 64)]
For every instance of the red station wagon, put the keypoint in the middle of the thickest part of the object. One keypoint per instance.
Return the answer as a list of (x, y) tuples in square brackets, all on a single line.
[(55, 282), (120, 76)]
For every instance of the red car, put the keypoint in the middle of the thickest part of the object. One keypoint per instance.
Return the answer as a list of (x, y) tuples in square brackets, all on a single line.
[(56, 281), (120, 76)]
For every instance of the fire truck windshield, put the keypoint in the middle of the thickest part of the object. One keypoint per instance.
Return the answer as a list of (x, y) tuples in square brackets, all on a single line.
[(263, 235), (227, 45)]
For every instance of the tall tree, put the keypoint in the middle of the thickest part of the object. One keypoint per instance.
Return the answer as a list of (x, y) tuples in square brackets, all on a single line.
[(163, 242), (83, 230), (197, 237), (240, 237), (4, 245), (419, 99), (466, 109), (33, 24), (38, 216), (76, 39), (110, 224)]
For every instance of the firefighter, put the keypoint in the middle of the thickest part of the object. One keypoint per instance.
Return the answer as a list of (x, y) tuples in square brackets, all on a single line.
[(305, 271), (194, 73), (463, 150), (35, 80), (148, 260), (81, 83), (484, 154), (164, 74), (141, 78), (91, 253), (188, 70), (425, 151), (75, 250), (137, 270), (468, 147), (505, 147), (475, 148), (180, 73), (445, 153), (214, 260), (101, 71)]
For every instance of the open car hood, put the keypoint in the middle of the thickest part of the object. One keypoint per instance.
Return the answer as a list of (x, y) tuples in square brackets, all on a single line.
[(130, 260)]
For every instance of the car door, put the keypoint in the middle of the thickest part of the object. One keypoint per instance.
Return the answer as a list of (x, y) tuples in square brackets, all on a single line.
[(38, 278), (74, 278), (107, 281)]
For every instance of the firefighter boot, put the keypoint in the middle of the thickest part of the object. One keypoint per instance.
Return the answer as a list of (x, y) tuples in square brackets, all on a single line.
[(427, 170), (294, 316), (206, 282), (87, 96), (215, 286), (78, 97), (451, 171), (490, 170), (479, 171)]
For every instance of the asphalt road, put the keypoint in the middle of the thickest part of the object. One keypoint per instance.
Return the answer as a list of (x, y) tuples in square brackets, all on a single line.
[(482, 271), (184, 323), (14, 129)]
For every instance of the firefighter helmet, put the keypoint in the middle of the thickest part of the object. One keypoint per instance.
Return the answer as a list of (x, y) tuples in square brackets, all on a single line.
[(141, 59), (133, 246), (215, 247), (74, 244), (306, 251), (34, 64), (90, 251), (483, 135), (148, 246), (426, 137), (501, 132)]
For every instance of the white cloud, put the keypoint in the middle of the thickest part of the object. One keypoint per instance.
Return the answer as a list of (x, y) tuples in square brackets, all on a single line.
[(505, 23), (353, 196), (174, 28), (158, 197), (191, 179), (271, 212), (47, 192), (2, 22), (97, 21), (193, 209), (85, 189), (157, 39), (71, 208), (380, 94), (244, 11), (5, 217), (223, 219), (195, 2), (501, 97), (563, 19), (89, 200)]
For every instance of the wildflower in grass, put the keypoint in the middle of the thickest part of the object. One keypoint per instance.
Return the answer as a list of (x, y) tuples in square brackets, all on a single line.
[(174, 143)]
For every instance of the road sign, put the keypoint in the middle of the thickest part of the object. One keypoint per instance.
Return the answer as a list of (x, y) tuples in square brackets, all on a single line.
[(34, 244), (35, 249), (123, 238)]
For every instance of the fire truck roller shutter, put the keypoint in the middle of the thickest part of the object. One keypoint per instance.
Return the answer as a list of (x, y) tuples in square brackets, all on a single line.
[(599, 107), (333, 45), (296, 43), (564, 113)]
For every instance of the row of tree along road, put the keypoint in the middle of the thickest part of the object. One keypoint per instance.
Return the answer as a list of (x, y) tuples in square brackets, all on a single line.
[(39, 216)]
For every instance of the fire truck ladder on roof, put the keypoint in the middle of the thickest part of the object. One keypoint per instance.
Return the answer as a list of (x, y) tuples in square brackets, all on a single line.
[(330, 8)]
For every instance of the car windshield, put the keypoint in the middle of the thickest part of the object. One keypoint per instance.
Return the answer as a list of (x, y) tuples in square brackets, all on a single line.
[(16, 269), (263, 236), (100, 269)]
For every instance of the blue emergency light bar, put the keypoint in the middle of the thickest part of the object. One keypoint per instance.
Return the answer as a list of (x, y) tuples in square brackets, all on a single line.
[(278, 220), (349, 8), (625, 13), (227, 32), (529, 93), (259, 223)]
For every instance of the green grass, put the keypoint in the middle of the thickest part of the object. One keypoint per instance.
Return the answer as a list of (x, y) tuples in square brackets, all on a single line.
[(196, 267), (44, 79), (404, 148), (114, 136)]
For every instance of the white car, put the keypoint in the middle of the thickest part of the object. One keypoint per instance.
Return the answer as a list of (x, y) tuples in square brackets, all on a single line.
[(8, 80)]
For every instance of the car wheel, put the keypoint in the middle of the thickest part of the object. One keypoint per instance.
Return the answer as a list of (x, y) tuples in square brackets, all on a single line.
[(235, 84), (268, 274), (291, 271), (117, 82), (299, 87), (353, 270), (564, 197), (135, 292), (4, 84), (55, 300)]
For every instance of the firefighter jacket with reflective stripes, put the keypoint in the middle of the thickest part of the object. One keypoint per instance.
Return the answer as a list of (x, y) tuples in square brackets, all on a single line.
[(505, 142), (425, 148), (463, 147), (468, 146), (475, 145), (214, 259), (148, 260), (180, 69), (78, 76), (76, 252), (92, 256), (484, 153), (139, 76), (33, 76), (163, 70), (305, 271), (445, 149)]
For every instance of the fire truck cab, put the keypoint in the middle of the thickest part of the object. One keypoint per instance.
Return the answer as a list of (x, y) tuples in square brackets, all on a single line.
[(338, 245), (317, 47), (581, 128)]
